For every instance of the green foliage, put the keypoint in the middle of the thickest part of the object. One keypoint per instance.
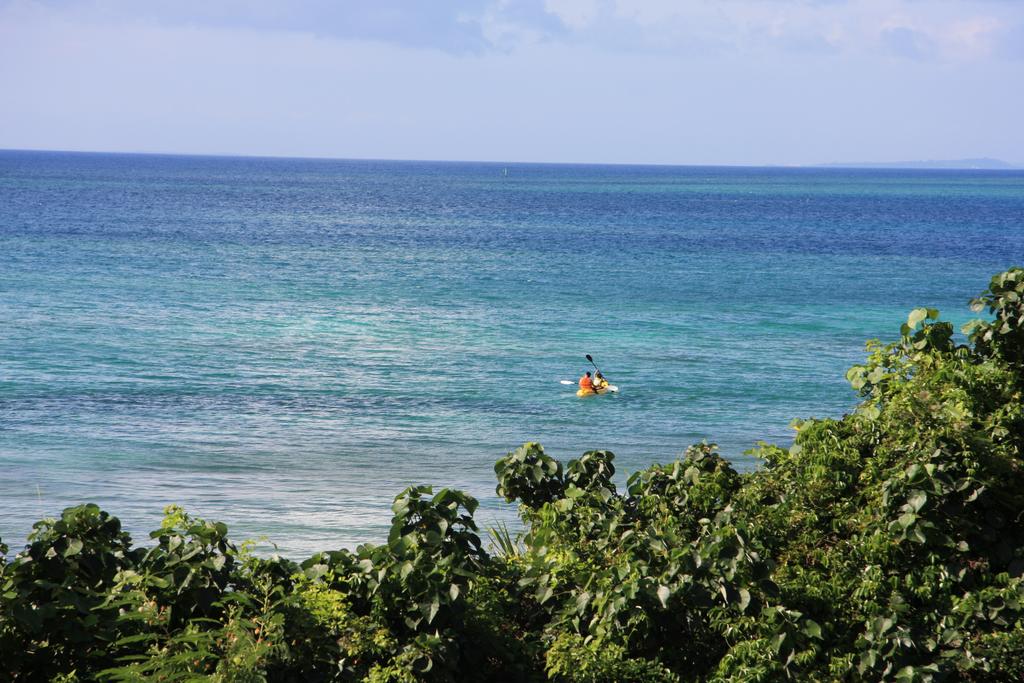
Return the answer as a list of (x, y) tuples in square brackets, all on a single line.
[(189, 568), (573, 659), (886, 545), (529, 475), (503, 543), (432, 556), (53, 613), (1002, 337), (592, 472)]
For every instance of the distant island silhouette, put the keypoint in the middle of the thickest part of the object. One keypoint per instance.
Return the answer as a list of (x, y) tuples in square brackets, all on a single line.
[(984, 163)]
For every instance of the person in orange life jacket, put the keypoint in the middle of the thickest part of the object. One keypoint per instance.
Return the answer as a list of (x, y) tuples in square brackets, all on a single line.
[(586, 384)]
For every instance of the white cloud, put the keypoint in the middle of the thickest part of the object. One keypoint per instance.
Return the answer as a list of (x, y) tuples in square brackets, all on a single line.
[(975, 37), (906, 42), (577, 15), (957, 30), (953, 29)]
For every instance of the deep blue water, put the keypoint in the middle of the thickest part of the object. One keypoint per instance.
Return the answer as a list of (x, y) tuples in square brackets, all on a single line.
[(285, 344)]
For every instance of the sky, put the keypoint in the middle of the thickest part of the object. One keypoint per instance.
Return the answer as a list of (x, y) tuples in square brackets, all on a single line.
[(597, 81)]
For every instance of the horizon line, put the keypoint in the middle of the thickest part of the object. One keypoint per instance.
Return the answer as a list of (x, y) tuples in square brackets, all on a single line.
[(843, 165)]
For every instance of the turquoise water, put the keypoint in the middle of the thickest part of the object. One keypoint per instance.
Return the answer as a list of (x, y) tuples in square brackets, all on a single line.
[(286, 344)]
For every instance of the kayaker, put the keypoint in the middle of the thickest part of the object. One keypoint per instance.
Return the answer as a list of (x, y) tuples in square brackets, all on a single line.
[(586, 384), (599, 381)]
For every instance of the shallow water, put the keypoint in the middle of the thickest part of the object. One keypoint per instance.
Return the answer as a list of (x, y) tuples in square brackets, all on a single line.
[(286, 344)]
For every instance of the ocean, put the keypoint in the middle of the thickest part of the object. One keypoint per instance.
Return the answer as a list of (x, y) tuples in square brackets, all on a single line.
[(286, 344)]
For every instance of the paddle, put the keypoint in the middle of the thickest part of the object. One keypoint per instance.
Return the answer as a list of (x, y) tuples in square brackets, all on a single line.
[(591, 359), (607, 384)]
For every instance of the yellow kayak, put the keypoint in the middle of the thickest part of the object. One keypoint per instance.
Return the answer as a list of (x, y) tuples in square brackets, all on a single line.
[(604, 389)]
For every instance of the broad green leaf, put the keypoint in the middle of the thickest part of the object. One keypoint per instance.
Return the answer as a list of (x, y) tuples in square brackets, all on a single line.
[(869, 411), (905, 674), (663, 595), (867, 661), (916, 316), (74, 547), (744, 599), (315, 571), (812, 629), (435, 605)]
